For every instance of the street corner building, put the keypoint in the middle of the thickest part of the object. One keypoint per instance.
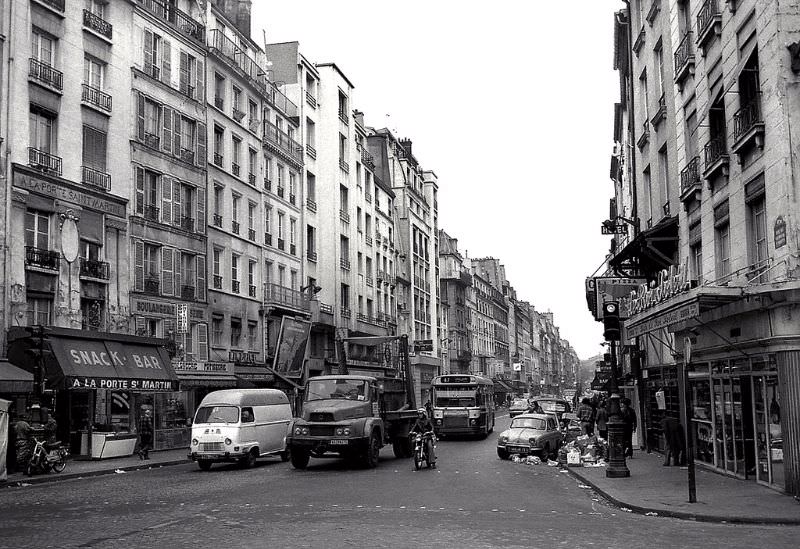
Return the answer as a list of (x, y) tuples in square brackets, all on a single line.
[(704, 251)]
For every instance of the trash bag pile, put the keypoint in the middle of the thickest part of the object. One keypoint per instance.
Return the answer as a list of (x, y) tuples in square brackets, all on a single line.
[(533, 460), (584, 451)]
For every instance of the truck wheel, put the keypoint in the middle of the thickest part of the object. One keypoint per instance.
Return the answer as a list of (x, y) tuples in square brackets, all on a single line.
[(300, 459), (204, 464), (373, 452)]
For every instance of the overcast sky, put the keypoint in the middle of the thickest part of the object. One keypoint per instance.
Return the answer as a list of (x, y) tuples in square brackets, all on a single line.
[(509, 102)]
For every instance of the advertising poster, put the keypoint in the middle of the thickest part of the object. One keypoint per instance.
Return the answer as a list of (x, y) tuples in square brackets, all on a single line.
[(292, 344)]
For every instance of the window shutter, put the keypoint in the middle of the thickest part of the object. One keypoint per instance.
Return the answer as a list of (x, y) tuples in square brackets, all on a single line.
[(183, 75), (177, 265), (166, 60), (166, 138), (141, 326), (176, 135), (140, 117), (200, 224), (200, 156), (167, 273), (200, 268), (138, 266), (200, 79), (202, 342), (177, 211), (166, 199), (170, 329), (139, 190), (148, 52)]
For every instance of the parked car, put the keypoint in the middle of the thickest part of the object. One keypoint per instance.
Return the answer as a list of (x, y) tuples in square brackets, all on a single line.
[(528, 434), (519, 406), (552, 405)]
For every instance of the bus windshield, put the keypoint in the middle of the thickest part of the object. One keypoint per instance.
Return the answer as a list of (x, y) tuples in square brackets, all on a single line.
[(455, 402), (348, 389)]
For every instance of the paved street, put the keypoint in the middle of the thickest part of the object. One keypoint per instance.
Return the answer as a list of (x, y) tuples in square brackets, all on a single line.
[(472, 500)]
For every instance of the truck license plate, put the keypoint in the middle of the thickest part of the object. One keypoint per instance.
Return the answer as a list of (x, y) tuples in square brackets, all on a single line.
[(338, 441)]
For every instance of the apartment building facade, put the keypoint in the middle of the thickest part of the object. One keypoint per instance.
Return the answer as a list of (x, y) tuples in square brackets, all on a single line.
[(455, 281), (730, 251)]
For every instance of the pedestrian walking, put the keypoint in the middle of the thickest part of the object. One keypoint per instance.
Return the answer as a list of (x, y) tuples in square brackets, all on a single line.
[(586, 417), (23, 443), (601, 420), (673, 435), (629, 420), (145, 435)]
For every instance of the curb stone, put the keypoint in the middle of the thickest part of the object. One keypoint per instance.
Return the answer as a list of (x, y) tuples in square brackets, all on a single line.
[(60, 477)]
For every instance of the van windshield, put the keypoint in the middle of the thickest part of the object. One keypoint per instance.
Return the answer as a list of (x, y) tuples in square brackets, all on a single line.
[(217, 414), (350, 389)]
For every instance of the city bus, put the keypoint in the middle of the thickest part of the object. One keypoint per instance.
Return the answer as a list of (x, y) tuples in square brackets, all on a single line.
[(463, 404)]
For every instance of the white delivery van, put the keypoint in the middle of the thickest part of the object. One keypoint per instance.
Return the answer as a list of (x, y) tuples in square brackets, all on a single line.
[(240, 425)]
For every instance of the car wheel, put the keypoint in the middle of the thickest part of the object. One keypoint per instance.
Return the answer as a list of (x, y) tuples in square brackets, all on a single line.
[(204, 464), (502, 454)]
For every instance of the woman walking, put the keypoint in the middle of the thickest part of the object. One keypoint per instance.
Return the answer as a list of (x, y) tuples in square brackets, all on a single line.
[(145, 435)]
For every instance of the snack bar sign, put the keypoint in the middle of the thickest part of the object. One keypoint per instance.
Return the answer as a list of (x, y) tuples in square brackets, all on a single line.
[(670, 282)]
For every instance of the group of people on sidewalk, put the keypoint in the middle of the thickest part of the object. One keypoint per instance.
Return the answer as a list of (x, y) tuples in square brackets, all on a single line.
[(595, 417)]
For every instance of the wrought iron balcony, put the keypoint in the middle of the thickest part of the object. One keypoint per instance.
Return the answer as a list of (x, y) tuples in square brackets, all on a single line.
[(95, 178), (188, 292), (57, 5), (268, 183), (343, 116), (152, 285), (251, 234), (235, 168), (268, 239), (93, 268), (219, 103), (367, 159), (293, 249), (684, 58), (311, 151), (97, 24), (187, 155), (311, 255), (44, 161), (281, 190), (38, 257), (187, 223), (152, 140), (217, 220), (709, 21), (251, 290), (235, 227), (690, 176), (183, 22), (45, 74), (281, 244), (344, 216), (310, 99), (218, 159), (311, 205), (96, 97), (251, 178), (235, 286), (344, 166), (237, 58), (292, 199), (275, 294), (748, 124), (217, 282), (716, 156), (344, 263), (151, 213), (368, 240), (346, 313), (280, 142)]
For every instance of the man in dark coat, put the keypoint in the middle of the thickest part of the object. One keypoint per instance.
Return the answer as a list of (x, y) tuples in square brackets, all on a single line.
[(673, 435), (586, 417), (629, 419)]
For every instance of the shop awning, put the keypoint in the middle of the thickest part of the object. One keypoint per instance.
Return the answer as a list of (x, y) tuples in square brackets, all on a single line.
[(502, 386), (651, 251), (14, 380), (77, 359)]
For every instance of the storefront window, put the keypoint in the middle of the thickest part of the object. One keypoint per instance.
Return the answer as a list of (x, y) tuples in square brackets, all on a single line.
[(701, 419), (171, 417)]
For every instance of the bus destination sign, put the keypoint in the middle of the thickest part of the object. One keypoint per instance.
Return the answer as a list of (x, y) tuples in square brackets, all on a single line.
[(456, 379)]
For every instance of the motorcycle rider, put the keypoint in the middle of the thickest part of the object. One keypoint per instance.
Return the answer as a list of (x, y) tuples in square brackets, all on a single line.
[(423, 425)]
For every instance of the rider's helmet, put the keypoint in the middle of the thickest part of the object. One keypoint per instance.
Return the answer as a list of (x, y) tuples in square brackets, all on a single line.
[(422, 413)]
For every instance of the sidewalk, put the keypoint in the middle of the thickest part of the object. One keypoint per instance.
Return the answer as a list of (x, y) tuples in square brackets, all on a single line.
[(653, 488), (90, 468)]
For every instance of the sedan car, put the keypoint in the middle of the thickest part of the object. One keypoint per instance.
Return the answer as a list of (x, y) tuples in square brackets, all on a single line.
[(551, 405), (529, 434), (519, 406)]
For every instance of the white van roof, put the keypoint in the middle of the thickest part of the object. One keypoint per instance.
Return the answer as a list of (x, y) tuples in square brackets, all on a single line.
[(246, 397)]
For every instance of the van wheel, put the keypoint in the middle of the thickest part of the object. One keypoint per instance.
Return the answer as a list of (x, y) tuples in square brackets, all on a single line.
[(204, 464), (286, 455), (249, 461), (299, 458)]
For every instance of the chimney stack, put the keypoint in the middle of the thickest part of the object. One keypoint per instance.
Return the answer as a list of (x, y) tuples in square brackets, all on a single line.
[(406, 144)]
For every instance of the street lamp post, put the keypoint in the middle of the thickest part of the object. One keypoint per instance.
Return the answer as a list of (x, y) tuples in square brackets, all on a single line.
[(616, 426)]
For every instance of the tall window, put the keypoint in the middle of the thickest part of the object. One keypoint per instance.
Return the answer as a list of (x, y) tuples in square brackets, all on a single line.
[(644, 97), (252, 164), (345, 296), (94, 148), (663, 168), (696, 253), (234, 267), (43, 47), (93, 73), (292, 185), (37, 229), (219, 144), (251, 277), (219, 200), (292, 235), (280, 230), (268, 222), (723, 251), (251, 216), (757, 231), (659, 57), (42, 129), (311, 186), (648, 189), (235, 199), (219, 91)]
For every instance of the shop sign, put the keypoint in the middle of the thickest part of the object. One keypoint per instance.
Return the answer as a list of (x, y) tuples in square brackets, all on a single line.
[(197, 314), (690, 310), (779, 232), (208, 367), (62, 192), (154, 307), (613, 289), (118, 384), (242, 357), (183, 318), (670, 282)]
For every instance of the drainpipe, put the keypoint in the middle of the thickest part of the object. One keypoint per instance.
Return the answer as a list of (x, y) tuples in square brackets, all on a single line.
[(631, 121), (6, 160)]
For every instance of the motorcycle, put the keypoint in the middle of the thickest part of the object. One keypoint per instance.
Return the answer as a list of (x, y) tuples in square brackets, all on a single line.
[(421, 450), (47, 456)]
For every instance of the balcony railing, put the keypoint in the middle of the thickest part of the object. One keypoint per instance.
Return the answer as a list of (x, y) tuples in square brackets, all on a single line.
[(293, 249), (152, 140), (311, 151), (251, 290), (344, 166), (343, 116), (690, 175), (251, 234), (238, 58), (57, 5), (97, 24), (292, 199), (175, 17), (96, 97), (38, 257), (715, 150), (344, 216), (219, 103), (235, 227), (93, 268), (187, 223), (235, 168), (268, 239), (746, 118), (45, 74), (684, 57), (276, 294), (311, 205), (367, 197), (187, 155), (346, 313), (281, 191), (152, 285), (367, 159), (187, 292), (310, 99), (279, 140), (251, 178), (368, 240), (708, 15), (236, 286), (344, 264), (281, 244), (217, 282), (325, 308), (311, 255), (151, 213), (268, 183), (217, 220), (44, 161), (95, 178)]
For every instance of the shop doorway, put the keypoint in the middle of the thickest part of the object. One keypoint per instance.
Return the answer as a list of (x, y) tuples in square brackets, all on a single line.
[(735, 442), (769, 439)]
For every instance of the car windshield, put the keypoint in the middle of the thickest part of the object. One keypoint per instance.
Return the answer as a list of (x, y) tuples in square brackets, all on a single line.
[(519, 404), (455, 402), (528, 423), (349, 389), (217, 414)]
